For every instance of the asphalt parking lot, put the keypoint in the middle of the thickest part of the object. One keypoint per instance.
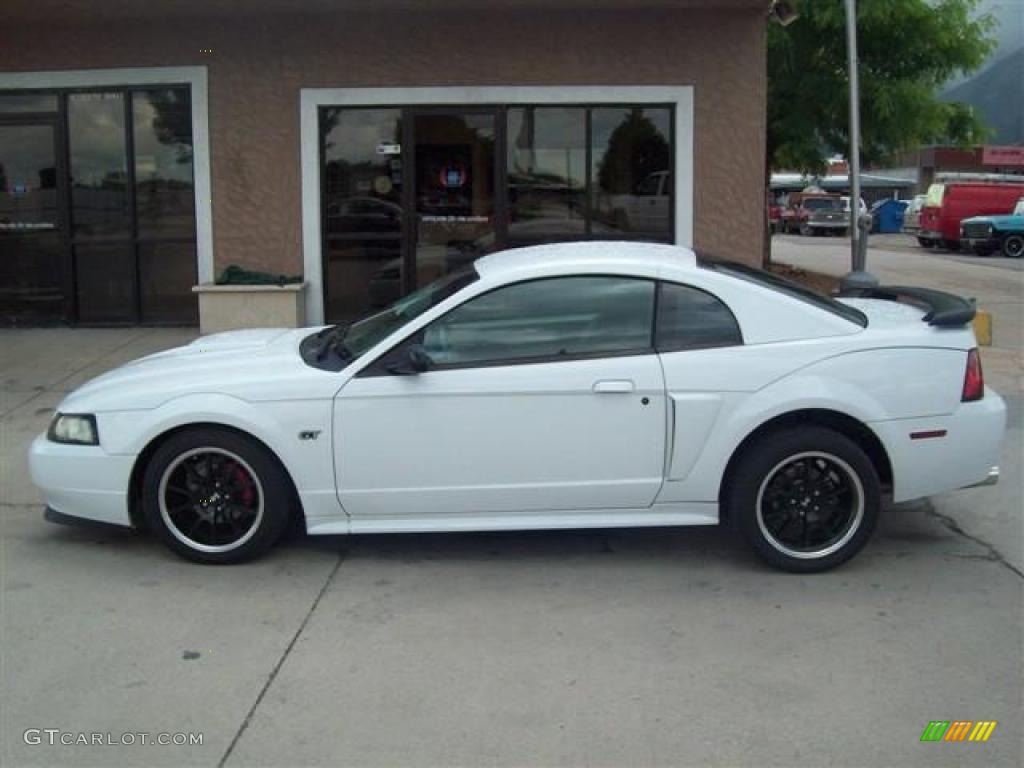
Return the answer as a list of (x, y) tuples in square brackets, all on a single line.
[(604, 648)]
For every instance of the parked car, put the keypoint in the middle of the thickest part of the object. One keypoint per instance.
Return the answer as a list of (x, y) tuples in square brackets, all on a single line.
[(646, 210), (949, 203), (988, 234), (575, 385), (814, 213), (912, 215)]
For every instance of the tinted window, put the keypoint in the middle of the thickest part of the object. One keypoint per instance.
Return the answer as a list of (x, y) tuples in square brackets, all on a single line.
[(689, 318), (543, 319)]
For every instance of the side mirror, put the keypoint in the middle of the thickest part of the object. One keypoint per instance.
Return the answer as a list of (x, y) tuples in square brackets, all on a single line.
[(412, 360)]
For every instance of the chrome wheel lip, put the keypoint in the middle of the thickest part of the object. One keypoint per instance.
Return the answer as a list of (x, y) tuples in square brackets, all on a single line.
[(852, 527), (180, 535)]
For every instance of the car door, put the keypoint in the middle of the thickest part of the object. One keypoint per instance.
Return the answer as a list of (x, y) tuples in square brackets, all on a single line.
[(542, 395)]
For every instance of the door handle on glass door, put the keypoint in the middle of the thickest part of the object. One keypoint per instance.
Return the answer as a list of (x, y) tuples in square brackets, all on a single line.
[(614, 386)]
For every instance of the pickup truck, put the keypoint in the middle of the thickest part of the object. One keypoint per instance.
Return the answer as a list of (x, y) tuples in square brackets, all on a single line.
[(996, 232)]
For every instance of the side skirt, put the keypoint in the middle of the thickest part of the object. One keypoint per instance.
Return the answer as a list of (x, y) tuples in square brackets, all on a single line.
[(675, 514)]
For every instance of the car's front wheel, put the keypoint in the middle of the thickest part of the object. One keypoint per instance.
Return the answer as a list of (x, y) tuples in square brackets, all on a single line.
[(805, 499), (1013, 246), (215, 496)]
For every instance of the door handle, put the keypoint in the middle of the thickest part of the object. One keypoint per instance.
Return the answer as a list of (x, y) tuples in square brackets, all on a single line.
[(614, 386)]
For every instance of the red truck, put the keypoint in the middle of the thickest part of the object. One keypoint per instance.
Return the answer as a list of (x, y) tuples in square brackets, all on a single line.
[(950, 202)]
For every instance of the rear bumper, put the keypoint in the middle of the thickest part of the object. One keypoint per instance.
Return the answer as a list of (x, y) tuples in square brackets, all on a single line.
[(991, 479), (964, 456)]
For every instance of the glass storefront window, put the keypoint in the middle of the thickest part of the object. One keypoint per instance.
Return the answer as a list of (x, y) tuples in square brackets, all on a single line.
[(546, 156), (631, 158), (362, 212), (164, 193), (99, 165), (412, 193)]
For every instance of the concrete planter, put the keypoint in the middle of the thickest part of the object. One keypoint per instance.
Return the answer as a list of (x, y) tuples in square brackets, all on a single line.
[(230, 307)]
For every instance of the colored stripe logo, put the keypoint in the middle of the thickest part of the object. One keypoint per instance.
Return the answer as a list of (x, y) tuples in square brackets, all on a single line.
[(959, 730)]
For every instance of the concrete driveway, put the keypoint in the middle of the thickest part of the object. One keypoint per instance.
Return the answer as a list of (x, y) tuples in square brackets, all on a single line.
[(636, 647)]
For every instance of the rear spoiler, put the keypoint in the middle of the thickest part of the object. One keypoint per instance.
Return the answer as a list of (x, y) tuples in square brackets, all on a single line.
[(944, 309)]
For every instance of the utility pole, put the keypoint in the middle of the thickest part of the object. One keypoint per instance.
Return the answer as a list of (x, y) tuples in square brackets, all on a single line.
[(858, 277)]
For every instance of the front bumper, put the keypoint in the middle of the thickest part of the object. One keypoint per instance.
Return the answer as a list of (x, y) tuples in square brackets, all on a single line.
[(982, 242), (828, 224), (82, 480)]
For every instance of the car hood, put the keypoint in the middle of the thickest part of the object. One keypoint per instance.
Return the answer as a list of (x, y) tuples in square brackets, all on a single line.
[(1002, 220), (254, 365)]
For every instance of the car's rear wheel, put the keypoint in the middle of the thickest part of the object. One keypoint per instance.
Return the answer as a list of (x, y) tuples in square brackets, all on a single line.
[(926, 242), (215, 496), (805, 499), (1013, 246)]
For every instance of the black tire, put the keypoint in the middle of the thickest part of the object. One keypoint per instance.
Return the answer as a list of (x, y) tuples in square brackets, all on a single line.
[(980, 250), (216, 496), (1013, 246), (953, 246), (805, 230), (925, 242), (777, 488)]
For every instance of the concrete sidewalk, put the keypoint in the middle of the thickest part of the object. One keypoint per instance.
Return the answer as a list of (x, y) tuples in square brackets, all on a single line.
[(644, 647)]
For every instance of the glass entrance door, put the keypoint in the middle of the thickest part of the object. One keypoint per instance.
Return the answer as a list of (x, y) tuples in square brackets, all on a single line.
[(453, 190), (33, 274)]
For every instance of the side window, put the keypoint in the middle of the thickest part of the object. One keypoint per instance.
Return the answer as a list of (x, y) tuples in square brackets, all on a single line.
[(689, 318), (562, 317)]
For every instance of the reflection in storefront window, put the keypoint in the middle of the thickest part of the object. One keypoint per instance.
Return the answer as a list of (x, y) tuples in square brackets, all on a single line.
[(164, 196), (631, 161), (362, 213), (99, 164), (546, 171)]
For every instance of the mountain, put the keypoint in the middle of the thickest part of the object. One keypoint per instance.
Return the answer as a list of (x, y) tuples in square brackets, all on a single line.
[(997, 93)]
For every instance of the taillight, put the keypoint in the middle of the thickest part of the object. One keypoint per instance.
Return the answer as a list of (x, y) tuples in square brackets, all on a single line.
[(974, 380)]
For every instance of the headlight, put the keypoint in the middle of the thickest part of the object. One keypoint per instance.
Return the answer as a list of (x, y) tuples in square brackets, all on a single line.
[(76, 428)]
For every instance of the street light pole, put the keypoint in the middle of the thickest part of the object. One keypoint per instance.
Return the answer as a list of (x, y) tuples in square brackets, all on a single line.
[(858, 277)]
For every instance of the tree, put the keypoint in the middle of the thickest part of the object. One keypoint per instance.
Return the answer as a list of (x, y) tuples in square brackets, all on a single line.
[(636, 149), (908, 50)]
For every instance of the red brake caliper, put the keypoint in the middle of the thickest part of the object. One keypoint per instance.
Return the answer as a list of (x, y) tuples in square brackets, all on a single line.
[(247, 490)]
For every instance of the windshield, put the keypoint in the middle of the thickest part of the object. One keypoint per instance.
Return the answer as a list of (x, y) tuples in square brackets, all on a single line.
[(820, 204), (788, 287), (364, 334)]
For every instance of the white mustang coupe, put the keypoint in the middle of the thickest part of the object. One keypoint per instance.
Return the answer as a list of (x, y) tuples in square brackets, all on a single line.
[(561, 386)]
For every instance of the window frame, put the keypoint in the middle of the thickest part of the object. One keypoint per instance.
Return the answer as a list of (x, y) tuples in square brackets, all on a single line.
[(379, 366), (666, 349)]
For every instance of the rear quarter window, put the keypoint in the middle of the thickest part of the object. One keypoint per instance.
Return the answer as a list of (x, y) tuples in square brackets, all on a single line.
[(689, 318)]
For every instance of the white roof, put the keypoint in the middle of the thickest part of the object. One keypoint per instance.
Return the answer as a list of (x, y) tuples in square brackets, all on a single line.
[(586, 254)]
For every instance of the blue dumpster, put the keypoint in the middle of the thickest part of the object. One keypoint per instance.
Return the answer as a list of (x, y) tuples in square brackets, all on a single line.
[(887, 216)]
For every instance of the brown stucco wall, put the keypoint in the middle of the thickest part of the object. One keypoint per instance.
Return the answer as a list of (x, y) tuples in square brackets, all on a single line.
[(258, 64)]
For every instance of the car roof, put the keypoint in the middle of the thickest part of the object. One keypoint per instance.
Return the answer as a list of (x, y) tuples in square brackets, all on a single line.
[(587, 255)]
